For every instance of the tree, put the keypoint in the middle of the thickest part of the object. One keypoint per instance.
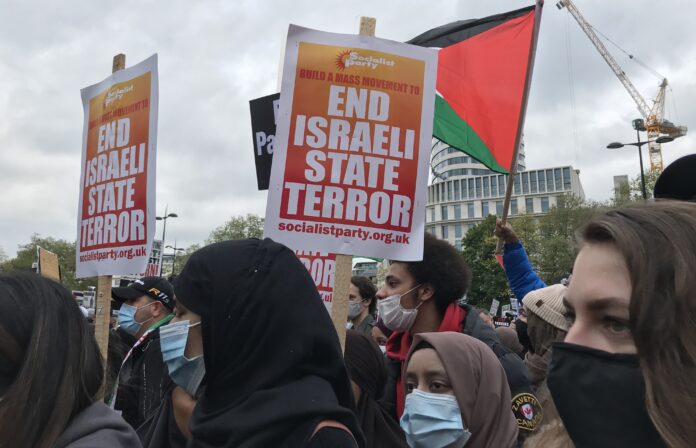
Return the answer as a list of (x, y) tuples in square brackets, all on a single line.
[(489, 281), (633, 190), (26, 256), (557, 232), (3, 256), (238, 227)]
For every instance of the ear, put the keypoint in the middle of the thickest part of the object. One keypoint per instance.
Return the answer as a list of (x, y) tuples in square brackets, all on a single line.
[(159, 310), (426, 291)]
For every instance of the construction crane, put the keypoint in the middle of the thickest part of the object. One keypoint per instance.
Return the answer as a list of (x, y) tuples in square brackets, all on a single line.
[(655, 123)]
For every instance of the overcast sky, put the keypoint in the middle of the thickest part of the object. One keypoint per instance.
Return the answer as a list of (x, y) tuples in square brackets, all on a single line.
[(214, 56)]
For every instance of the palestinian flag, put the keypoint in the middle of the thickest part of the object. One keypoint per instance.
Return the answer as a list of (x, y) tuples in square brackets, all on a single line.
[(482, 77)]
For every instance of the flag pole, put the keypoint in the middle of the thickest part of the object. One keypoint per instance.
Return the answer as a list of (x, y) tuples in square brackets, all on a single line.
[(520, 120), (344, 268)]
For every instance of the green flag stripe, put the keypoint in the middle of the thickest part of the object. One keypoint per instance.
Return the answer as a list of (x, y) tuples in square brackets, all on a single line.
[(451, 129)]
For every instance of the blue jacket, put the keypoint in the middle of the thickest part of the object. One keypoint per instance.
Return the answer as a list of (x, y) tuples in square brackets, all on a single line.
[(521, 277)]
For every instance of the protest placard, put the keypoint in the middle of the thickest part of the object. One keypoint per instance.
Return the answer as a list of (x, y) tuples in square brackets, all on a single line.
[(352, 146), (49, 265), (116, 209), (322, 268), (264, 113)]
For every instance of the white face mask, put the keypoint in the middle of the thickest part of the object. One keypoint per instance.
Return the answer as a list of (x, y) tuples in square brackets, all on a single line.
[(394, 316), (354, 310)]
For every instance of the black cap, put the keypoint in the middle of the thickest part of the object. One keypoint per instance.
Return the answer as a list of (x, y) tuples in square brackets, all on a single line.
[(157, 288), (678, 180)]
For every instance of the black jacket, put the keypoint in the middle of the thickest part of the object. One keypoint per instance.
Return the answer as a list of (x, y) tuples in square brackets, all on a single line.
[(142, 381), (515, 369)]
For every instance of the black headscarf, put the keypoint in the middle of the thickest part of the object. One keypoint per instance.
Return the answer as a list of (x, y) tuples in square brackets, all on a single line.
[(367, 368), (274, 368)]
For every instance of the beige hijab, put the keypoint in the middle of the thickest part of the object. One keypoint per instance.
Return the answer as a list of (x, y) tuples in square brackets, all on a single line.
[(480, 386)]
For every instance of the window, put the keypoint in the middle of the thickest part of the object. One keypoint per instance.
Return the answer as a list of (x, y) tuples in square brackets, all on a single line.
[(494, 186), (444, 213), (470, 210), (559, 179), (457, 190), (432, 214), (458, 230), (445, 232), (478, 187), (499, 208), (525, 183), (529, 205), (533, 182), (549, 180), (513, 206), (542, 182), (471, 188), (437, 192), (566, 178), (450, 195), (517, 184), (457, 211), (484, 209), (544, 204), (486, 187), (501, 185)]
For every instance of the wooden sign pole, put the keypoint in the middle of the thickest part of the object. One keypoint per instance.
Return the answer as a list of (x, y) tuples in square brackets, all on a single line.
[(102, 315), (344, 263)]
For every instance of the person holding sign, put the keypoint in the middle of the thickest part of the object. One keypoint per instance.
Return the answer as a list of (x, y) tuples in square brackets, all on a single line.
[(275, 375), (420, 297), (51, 371), (147, 304)]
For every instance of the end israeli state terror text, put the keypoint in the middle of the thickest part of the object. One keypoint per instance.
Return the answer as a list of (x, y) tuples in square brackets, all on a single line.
[(380, 149), (111, 182)]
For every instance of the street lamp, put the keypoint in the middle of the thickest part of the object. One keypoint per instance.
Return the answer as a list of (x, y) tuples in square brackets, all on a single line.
[(164, 230), (175, 249), (639, 125)]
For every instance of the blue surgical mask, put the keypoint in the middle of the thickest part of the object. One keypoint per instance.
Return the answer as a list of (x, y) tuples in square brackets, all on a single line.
[(433, 421), (186, 373), (126, 318)]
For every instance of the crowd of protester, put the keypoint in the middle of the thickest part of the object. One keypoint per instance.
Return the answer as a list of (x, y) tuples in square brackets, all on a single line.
[(240, 351)]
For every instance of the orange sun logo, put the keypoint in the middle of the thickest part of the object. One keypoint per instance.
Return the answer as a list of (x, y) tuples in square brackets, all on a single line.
[(341, 59)]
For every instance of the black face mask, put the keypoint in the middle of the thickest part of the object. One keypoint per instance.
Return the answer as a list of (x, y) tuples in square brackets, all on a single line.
[(522, 335), (600, 397)]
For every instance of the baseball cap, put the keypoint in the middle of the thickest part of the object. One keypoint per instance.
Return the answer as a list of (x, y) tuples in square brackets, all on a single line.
[(678, 180), (157, 288)]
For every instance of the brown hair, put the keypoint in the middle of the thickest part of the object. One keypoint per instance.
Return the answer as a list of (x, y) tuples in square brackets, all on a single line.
[(658, 243), (367, 290)]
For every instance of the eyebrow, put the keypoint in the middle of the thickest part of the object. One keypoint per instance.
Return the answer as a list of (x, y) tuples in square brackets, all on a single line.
[(607, 302)]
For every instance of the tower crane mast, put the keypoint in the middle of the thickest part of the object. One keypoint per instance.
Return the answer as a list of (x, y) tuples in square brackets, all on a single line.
[(655, 124)]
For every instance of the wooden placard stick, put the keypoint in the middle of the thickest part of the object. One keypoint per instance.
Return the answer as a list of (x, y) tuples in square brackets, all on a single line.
[(344, 263), (102, 314)]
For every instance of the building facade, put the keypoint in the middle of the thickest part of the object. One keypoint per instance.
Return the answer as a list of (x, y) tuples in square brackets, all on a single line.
[(464, 192)]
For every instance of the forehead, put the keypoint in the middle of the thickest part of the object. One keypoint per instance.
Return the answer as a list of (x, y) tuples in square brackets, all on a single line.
[(354, 291), (599, 272), (424, 361), (399, 271)]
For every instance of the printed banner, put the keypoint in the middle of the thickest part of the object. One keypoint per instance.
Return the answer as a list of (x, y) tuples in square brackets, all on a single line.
[(116, 211), (322, 267), (154, 262), (352, 147), (264, 112)]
